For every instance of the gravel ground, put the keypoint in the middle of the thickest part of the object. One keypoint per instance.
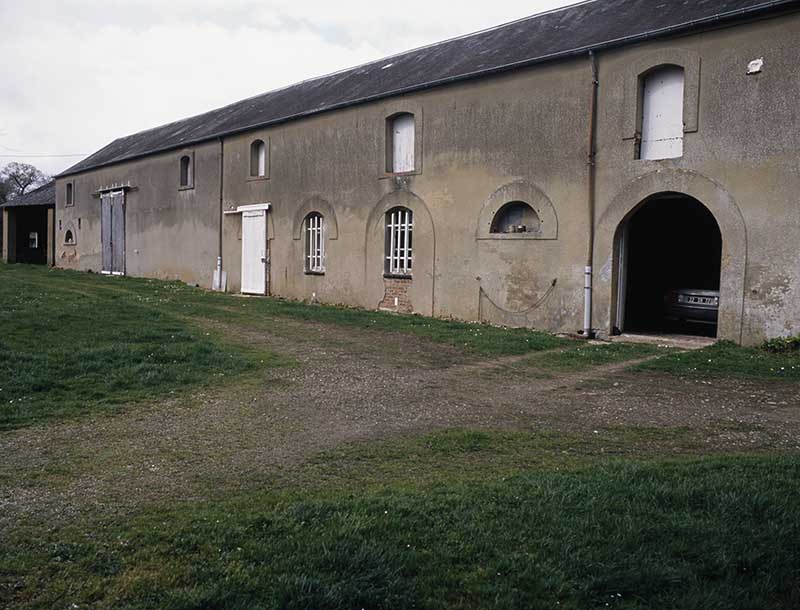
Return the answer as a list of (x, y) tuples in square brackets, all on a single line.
[(352, 385)]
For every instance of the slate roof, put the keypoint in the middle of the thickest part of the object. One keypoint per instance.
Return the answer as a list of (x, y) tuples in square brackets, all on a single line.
[(44, 195), (565, 32)]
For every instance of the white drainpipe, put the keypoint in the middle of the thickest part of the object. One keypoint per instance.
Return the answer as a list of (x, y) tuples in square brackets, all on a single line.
[(587, 301)]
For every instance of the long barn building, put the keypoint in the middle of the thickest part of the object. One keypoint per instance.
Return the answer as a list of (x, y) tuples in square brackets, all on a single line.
[(567, 171)]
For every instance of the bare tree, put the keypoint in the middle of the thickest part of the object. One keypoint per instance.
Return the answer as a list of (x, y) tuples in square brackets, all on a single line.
[(5, 191), (18, 178)]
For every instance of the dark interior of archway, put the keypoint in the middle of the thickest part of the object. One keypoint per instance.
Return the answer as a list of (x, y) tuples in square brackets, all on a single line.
[(674, 242), (31, 221)]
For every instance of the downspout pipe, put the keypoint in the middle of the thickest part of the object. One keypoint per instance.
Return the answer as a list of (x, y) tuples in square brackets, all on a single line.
[(592, 155)]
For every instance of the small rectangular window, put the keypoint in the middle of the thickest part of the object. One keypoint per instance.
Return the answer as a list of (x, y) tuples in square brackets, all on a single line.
[(315, 244), (69, 196), (399, 253), (33, 240)]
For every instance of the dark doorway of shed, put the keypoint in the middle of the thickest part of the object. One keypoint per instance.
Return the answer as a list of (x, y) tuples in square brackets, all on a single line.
[(31, 234), (670, 260)]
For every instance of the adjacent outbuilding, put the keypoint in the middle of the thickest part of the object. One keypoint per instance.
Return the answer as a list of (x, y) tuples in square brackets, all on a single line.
[(29, 227)]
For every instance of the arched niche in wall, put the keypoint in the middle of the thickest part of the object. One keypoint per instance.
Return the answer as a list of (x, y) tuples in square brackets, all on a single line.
[(520, 192), (315, 204), (518, 257), (70, 235), (421, 291), (637, 70)]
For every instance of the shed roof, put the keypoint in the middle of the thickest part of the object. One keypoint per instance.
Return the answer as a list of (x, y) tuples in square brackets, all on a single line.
[(575, 29), (44, 195)]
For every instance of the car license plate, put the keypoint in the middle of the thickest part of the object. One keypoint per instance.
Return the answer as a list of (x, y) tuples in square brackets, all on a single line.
[(701, 300)]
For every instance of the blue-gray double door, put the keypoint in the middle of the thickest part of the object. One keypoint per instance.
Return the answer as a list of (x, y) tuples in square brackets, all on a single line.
[(112, 232)]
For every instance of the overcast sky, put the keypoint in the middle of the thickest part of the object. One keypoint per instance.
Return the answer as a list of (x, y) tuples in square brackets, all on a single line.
[(75, 74)]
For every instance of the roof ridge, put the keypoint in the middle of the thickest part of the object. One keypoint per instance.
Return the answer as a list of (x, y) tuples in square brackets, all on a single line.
[(358, 66), (468, 56), (434, 44)]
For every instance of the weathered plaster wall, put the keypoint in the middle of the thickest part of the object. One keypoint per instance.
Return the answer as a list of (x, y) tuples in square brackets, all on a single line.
[(521, 135), (171, 233), (524, 129), (741, 159)]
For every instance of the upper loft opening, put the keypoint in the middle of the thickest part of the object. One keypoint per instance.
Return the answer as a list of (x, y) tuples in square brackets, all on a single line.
[(661, 122)]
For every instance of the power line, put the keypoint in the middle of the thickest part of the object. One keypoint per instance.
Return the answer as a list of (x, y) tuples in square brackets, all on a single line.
[(44, 156)]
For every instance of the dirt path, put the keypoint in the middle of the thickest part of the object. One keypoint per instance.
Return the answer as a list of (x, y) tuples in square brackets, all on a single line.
[(350, 384)]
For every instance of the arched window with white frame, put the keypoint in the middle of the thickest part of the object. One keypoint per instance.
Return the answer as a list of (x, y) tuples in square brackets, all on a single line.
[(314, 228), (258, 159), (662, 113), (401, 130), (399, 233)]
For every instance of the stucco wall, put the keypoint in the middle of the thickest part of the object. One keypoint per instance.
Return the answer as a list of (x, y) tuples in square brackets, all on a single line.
[(475, 138), (171, 233), (521, 135), (741, 159)]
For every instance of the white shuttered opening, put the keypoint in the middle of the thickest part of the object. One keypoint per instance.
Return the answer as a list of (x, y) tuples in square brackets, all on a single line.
[(662, 114), (403, 143)]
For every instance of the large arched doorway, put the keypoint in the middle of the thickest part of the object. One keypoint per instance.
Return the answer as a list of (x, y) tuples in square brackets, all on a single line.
[(670, 256)]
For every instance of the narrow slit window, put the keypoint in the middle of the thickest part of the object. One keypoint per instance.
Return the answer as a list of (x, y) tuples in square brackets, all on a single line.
[(69, 197), (662, 114), (315, 243), (401, 151), (399, 232), (187, 172), (258, 159)]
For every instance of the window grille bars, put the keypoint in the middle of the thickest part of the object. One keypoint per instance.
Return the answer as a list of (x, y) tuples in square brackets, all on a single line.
[(315, 244), (399, 253)]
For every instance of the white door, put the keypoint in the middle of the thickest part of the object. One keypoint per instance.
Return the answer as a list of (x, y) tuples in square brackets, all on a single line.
[(254, 252)]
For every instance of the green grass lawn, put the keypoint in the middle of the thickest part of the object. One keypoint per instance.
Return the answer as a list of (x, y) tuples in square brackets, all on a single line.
[(76, 343), (585, 356), (69, 346), (726, 359), (720, 533), (179, 299), (455, 519)]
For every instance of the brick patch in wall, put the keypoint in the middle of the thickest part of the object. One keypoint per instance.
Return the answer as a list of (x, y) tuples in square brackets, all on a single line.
[(395, 297)]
